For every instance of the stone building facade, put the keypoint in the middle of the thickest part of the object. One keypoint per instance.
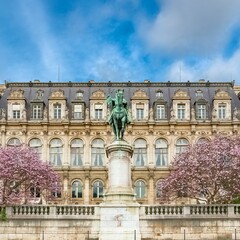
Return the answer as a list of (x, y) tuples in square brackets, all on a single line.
[(66, 123)]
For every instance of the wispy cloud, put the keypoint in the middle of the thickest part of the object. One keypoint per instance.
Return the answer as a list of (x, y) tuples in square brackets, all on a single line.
[(37, 23), (186, 27)]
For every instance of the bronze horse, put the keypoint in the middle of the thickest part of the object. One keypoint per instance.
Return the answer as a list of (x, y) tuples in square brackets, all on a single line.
[(118, 118)]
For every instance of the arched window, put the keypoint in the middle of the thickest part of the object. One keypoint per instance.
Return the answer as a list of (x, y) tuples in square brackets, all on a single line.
[(140, 152), (98, 152), (13, 142), (56, 147), (161, 152), (36, 144), (181, 145), (140, 189), (77, 152), (76, 189), (98, 189)]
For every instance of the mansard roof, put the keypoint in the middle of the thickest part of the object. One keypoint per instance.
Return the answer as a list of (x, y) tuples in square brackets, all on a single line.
[(168, 89)]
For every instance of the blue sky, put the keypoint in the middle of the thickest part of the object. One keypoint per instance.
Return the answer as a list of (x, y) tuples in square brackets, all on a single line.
[(121, 40)]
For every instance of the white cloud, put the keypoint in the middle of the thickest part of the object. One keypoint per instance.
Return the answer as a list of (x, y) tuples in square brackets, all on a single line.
[(216, 70), (191, 26), (36, 23), (109, 64)]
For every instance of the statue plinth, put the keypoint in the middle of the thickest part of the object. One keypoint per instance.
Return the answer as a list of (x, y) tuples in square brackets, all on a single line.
[(119, 173), (119, 212)]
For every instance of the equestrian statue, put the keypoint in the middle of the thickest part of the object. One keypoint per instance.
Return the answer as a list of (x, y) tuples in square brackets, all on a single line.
[(119, 117)]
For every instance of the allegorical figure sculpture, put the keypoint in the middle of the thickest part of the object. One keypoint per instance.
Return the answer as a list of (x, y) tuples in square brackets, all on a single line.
[(118, 118)]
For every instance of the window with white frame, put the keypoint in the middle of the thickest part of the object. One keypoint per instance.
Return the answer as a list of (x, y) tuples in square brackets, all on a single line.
[(36, 144), (35, 192), (57, 111), (161, 152), (97, 189), (16, 111), (181, 111), (55, 151), (77, 189), (201, 111), (140, 189), (140, 111), (77, 111), (140, 152), (199, 93), (77, 152), (98, 111), (159, 94), (79, 95), (57, 192), (36, 111), (13, 142), (39, 94), (222, 110), (181, 145), (160, 112), (98, 152)]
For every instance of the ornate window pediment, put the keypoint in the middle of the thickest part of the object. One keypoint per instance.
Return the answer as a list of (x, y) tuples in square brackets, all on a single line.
[(221, 94), (181, 94), (140, 94), (57, 94), (99, 94), (17, 94)]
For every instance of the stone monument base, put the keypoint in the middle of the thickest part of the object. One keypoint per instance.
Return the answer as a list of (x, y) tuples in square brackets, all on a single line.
[(119, 222), (119, 212)]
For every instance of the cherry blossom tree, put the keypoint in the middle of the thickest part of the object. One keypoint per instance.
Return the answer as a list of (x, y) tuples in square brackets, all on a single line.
[(208, 171), (23, 176)]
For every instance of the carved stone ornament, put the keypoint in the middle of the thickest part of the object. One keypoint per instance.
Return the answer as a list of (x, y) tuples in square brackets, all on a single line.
[(140, 94), (181, 94), (220, 94), (99, 94), (17, 94), (57, 94)]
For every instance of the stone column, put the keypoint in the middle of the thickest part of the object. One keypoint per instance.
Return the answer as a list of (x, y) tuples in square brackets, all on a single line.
[(119, 172)]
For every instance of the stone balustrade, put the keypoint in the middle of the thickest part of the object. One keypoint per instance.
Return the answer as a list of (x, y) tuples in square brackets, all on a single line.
[(190, 211), (158, 211), (46, 211)]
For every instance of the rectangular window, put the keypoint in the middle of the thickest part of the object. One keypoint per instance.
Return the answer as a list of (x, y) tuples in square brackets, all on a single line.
[(201, 111), (37, 112), (222, 111), (161, 156), (16, 111), (181, 111), (160, 112), (57, 111), (77, 111), (140, 111), (98, 111)]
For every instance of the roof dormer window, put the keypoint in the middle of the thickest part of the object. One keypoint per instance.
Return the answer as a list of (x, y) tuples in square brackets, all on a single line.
[(199, 93)]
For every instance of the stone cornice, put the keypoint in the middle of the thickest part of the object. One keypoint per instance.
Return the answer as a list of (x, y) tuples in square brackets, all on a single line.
[(120, 84)]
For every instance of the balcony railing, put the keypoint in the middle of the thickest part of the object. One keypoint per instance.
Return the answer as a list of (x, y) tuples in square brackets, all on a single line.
[(146, 212), (190, 211)]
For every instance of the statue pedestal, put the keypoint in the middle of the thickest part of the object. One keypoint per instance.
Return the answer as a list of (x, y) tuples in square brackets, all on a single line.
[(119, 173), (119, 213)]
